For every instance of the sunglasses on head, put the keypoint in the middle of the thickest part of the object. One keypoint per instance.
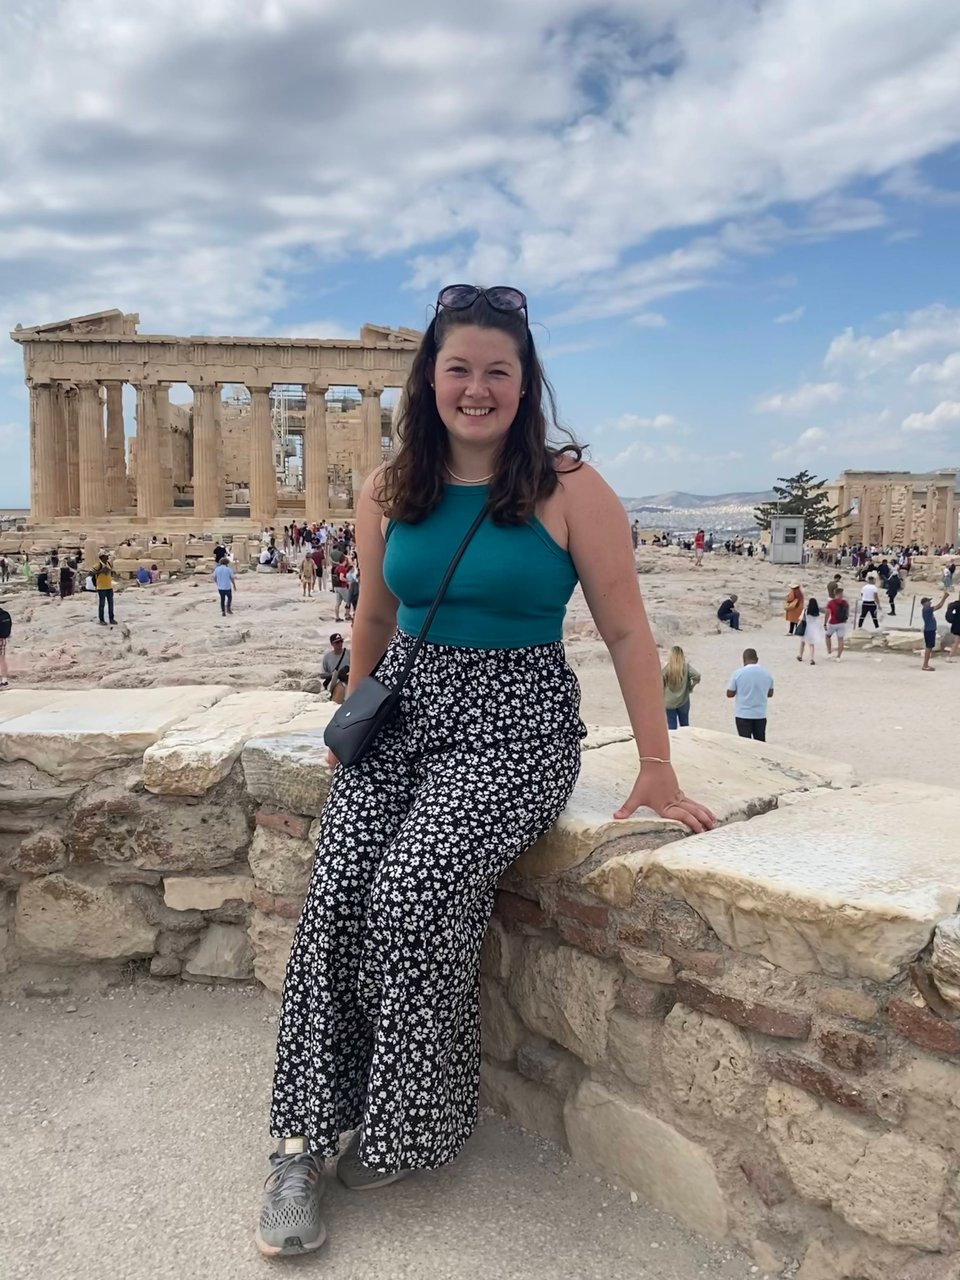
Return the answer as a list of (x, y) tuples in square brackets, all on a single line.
[(502, 297)]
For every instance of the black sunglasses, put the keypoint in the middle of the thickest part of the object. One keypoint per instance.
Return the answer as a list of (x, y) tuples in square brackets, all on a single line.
[(502, 297)]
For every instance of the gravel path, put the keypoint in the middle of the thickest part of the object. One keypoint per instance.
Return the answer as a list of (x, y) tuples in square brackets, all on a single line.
[(133, 1148)]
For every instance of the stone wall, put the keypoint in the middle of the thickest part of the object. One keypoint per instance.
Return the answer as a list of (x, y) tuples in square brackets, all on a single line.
[(755, 1030)]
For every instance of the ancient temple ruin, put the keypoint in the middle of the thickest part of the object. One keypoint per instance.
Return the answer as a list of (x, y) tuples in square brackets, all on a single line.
[(894, 508), (302, 429)]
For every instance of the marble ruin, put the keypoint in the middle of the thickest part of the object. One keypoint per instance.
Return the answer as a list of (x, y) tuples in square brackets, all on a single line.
[(278, 449), (894, 508)]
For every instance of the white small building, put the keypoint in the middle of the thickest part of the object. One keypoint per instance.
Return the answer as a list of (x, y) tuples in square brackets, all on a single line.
[(786, 540)]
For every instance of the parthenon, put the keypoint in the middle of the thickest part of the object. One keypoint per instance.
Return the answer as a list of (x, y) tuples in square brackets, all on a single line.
[(81, 472), (896, 508)]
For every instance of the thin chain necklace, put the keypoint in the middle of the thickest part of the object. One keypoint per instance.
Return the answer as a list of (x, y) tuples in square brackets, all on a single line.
[(461, 480)]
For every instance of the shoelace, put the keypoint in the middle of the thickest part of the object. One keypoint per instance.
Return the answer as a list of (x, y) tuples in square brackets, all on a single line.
[(296, 1176)]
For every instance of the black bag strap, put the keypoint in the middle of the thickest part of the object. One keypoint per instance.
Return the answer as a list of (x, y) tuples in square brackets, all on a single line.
[(441, 592)]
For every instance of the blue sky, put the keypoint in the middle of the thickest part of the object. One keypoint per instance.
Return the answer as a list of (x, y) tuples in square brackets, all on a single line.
[(737, 221)]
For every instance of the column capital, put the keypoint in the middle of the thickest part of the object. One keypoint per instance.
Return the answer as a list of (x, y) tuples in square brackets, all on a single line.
[(316, 388), (203, 386), (261, 388), (371, 389)]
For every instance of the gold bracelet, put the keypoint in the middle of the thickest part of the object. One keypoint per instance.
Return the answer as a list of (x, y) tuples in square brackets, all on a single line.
[(653, 760)]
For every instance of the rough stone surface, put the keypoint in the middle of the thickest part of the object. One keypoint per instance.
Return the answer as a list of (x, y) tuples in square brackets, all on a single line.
[(198, 752), (817, 1079), (712, 1068), (924, 1028), (495, 958), (564, 995), (271, 937), (280, 865), (547, 1064), (289, 772), (501, 1031), (846, 1002), (529, 1105), (884, 1183), (642, 1152), (224, 952), (768, 1017), (647, 965), (205, 893), (945, 963), (79, 733), (633, 1047), (931, 1090), (775, 887), (848, 1050), (116, 825), (40, 853), (62, 921)]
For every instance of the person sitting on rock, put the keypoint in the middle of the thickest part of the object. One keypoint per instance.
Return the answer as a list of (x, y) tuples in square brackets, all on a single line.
[(728, 613)]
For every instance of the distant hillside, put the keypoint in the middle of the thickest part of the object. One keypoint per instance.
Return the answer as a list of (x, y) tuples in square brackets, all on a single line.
[(690, 501)]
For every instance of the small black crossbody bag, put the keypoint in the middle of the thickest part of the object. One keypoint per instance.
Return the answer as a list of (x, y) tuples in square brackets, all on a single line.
[(351, 732)]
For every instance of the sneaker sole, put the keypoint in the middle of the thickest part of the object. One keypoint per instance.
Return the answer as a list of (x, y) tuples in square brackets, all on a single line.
[(384, 1181), (290, 1248)]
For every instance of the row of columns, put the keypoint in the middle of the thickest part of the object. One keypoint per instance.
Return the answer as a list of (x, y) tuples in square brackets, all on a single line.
[(77, 468), (876, 516)]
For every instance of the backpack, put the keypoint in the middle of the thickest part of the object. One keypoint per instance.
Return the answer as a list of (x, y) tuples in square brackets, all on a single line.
[(842, 611), (6, 624)]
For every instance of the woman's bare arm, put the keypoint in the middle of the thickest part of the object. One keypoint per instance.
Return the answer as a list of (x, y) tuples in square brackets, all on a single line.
[(375, 619)]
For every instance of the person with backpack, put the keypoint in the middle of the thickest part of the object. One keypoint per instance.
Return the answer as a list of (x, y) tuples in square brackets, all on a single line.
[(838, 615), (952, 616), (341, 589), (6, 626)]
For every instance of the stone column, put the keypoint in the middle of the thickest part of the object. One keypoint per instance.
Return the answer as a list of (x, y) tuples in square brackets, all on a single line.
[(950, 515), (316, 468), (47, 461), (116, 449), (59, 411), (886, 533), (371, 450), (908, 513), (207, 478), (928, 515), (164, 479), (147, 459), (72, 417), (263, 474), (90, 453), (865, 514)]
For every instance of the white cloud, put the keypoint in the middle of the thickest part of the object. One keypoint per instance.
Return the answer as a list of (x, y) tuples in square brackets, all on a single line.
[(932, 327), (649, 320), (941, 416), (802, 400), (633, 422), (947, 370), (790, 317), (808, 445)]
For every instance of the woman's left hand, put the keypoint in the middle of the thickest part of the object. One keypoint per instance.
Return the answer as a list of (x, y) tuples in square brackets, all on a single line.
[(657, 788)]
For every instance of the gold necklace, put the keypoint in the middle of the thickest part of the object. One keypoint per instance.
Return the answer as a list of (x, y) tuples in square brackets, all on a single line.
[(482, 480)]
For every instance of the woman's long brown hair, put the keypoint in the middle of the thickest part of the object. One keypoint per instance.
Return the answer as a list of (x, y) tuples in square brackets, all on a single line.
[(526, 473)]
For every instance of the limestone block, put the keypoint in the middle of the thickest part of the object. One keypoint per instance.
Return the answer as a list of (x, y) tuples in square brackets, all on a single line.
[(62, 921), (546, 1063), (565, 994), (904, 641), (225, 951), (271, 937), (633, 1047), (195, 754), (116, 825), (931, 1089), (80, 733), (859, 639), (280, 864), (732, 778), (946, 959), (527, 1104), (850, 883), (884, 1183), (640, 1151), (205, 893), (40, 853), (501, 1031), (289, 771), (21, 702), (711, 1067), (495, 957)]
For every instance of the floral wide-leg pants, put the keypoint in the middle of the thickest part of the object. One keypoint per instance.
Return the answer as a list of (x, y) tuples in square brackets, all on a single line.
[(380, 1018)]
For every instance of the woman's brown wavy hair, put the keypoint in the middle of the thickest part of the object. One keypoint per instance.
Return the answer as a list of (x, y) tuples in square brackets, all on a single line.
[(412, 482)]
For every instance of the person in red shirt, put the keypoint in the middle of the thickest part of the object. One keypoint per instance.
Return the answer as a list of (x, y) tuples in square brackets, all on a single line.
[(838, 614), (698, 544)]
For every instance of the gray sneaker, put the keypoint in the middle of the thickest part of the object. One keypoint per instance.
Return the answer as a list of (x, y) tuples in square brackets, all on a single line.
[(290, 1221), (355, 1175)]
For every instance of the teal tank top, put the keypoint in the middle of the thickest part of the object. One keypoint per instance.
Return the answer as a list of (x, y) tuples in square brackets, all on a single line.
[(509, 591)]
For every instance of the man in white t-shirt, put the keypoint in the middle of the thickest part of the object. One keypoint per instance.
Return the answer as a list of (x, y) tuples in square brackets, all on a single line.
[(752, 686), (869, 598)]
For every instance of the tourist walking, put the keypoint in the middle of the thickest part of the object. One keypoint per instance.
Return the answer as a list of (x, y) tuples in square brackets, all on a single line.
[(894, 585), (679, 681), (699, 541), (928, 615), (335, 665), (751, 686), (341, 588), (308, 575), (810, 628), (379, 1029), (226, 580), (869, 598), (838, 616), (728, 613), (104, 581), (4, 569), (793, 608), (6, 627)]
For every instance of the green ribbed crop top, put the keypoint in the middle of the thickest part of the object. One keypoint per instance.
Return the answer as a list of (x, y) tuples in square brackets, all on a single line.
[(509, 591)]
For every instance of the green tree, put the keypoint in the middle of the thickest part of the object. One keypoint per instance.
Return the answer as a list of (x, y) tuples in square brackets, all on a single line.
[(805, 495)]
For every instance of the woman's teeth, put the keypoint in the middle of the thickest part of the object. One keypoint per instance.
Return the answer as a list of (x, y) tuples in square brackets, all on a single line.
[(476, 413)]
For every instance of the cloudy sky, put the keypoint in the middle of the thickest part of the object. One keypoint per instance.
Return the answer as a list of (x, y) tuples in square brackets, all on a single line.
[(737, 220)]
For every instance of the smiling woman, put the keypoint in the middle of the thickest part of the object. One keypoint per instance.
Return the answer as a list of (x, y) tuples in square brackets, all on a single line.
[(379, 1027)]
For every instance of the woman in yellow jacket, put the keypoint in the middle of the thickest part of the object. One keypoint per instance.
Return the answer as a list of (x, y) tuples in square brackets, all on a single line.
[(103, 579), (793, 608)]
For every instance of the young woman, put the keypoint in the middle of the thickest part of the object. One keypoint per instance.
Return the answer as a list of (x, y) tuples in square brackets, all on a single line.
[(379, 1022), (793, 608), (679, 680), (813, 633)]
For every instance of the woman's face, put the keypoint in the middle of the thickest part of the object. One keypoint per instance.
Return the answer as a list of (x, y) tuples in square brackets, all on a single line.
[(478, 381)]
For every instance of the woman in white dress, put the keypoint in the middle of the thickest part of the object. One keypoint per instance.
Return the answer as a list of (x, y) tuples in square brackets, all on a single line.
[(813, 634)]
